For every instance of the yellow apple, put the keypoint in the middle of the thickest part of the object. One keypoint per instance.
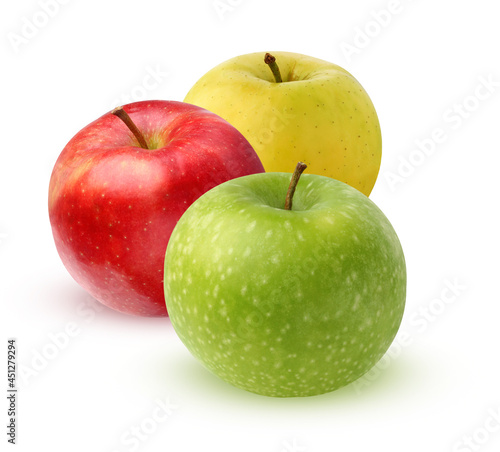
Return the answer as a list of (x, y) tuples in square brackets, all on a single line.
[(293, 107)]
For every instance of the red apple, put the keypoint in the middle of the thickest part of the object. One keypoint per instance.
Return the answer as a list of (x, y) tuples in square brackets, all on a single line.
[(114, 203)]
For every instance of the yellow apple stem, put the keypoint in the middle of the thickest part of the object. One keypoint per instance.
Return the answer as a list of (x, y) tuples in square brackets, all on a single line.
[(270, 60), (123, 115), (299, 169)]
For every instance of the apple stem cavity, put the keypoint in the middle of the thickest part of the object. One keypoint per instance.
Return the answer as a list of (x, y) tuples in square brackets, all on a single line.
[(299, 169), (270, 60), (123, 115)]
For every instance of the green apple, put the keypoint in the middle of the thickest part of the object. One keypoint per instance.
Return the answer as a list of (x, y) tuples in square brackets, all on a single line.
[(297, 108), (285, 300)]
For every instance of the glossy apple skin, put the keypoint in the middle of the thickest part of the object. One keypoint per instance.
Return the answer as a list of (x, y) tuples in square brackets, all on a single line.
[(319, 115), (285, 303), (113, 205)]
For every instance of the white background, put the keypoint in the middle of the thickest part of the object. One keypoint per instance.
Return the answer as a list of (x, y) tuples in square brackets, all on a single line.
[(438, 389)]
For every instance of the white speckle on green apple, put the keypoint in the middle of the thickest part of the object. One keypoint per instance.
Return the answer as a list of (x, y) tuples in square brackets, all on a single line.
[(306, 301)]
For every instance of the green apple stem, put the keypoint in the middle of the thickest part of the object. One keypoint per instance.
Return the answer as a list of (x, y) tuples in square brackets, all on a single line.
[(123, 115), (270, 60), (299, 169)]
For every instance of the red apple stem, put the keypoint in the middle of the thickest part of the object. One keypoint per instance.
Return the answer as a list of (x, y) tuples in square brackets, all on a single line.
[(123, 115), (299, 169), (270, 60)]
